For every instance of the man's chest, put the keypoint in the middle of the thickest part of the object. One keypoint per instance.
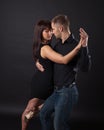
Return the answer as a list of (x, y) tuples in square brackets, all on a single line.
[(64, 48)]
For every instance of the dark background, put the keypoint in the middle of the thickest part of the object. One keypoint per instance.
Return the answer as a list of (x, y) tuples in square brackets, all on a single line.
[(17, 19)]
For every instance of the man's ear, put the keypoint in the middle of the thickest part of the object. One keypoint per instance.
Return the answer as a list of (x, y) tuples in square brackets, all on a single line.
[(61, 28)]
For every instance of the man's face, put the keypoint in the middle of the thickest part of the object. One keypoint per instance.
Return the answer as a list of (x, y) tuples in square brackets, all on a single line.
[(56, 30)]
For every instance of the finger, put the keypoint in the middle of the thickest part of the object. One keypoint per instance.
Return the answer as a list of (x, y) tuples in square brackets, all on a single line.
[(41, 68), (83, 35), (82, 31)]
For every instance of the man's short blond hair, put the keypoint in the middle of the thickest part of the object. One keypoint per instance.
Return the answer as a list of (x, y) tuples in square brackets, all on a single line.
[(61, 19)]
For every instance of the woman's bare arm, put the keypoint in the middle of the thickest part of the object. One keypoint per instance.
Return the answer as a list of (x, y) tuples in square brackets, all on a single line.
[(48, 53)]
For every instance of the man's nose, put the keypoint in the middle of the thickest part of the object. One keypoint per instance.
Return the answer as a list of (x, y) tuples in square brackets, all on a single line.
[(52, 32)]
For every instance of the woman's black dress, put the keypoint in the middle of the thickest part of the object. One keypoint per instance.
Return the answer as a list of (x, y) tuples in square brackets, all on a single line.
[(42, 82)]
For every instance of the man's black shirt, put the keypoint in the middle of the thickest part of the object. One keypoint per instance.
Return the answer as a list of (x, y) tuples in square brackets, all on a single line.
[(66, 74)]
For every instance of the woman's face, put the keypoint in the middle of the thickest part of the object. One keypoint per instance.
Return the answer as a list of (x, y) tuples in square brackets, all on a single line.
[(47, 34)]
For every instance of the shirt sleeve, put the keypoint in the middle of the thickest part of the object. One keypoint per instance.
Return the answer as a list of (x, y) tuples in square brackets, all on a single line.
[(84, 63)]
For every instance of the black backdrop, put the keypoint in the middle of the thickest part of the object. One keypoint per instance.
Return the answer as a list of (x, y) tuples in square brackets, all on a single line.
[(17, 19)]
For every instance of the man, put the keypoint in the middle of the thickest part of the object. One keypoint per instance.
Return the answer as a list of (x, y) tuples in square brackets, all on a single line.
[(65, 94)]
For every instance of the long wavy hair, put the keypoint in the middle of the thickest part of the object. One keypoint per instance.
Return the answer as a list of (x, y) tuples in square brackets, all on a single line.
[(38, 38)]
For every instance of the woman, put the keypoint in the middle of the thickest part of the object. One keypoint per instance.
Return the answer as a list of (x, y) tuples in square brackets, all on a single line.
[(42, 82)]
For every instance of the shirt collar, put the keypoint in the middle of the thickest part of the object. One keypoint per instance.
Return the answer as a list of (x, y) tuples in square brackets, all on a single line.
[(69, 39)]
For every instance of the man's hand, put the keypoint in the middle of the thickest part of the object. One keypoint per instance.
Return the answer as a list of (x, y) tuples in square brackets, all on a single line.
[(39, 66), (83, 37)]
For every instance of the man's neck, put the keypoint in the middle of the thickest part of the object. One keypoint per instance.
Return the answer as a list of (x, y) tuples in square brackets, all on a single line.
[(65, 36)]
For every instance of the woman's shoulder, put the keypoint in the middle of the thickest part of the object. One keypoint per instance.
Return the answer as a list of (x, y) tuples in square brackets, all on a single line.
[(45, 46)]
